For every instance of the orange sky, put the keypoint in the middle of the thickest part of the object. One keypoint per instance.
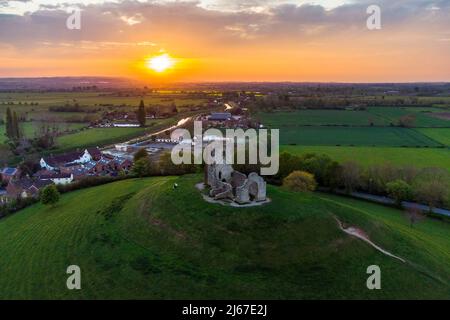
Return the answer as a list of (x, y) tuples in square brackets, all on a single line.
[(296, 43)]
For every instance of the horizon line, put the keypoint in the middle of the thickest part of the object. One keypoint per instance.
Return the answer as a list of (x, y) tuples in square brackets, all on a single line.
[(230, 81)]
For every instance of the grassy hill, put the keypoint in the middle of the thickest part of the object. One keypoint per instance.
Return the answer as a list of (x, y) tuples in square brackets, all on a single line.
[(142, 239)]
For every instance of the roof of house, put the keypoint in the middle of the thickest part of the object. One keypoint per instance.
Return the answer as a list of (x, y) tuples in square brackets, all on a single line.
[(54, 161), (80, 172), (220, 116), (27, 183), (120, 161), (89, 165), (103, 161), (9, 171), (54, 175), (94, 152)]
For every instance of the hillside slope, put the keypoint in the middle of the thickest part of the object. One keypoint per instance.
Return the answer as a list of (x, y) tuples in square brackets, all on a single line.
[(140, 238)]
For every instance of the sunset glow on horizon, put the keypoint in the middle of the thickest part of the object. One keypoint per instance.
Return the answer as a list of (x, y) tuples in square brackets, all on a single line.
[(160, 63)]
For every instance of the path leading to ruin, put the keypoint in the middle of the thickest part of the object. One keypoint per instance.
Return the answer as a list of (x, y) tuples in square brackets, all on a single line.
[(360, 234)]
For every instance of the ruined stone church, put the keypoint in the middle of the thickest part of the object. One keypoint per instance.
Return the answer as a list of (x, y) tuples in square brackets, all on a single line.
[(227, 183)]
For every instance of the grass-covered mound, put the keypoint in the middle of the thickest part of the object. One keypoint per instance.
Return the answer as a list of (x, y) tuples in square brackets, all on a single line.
[(143, 239)]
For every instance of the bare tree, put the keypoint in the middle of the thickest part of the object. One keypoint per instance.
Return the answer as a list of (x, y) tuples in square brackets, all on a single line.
[(414, 215), (46, 133), (432, 186), (350, 175), (407, 121)]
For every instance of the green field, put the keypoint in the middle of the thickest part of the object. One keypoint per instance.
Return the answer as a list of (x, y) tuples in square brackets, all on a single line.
[(417, 157), (441, 135), (346, 128), (97, 137), (357, 136), (29, 129), (392, 114), (138, 239), (378, 116), (320, 117)]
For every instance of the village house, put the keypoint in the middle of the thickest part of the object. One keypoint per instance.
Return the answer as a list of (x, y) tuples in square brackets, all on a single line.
[(76, 157), (55, 177), (111, 165), (78, 172), (106, 165), (25, 187), (119, 164), (74, 166), (9, 173)]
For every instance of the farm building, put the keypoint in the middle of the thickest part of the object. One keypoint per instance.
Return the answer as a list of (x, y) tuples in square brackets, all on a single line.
[(76, 157)]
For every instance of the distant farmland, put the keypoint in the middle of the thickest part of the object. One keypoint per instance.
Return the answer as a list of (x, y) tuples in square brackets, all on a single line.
[(36, 107), (376, 116), (356, 136), (348, 135)]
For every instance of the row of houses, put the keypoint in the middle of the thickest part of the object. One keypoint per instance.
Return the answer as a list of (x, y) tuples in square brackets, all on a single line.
[(77, 165), (60, 170)]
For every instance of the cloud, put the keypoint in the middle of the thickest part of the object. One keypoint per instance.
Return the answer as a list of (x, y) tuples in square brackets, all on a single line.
[(210, 29), (108, 19)]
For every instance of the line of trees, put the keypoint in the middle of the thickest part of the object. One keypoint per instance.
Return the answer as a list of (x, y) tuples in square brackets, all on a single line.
[(430, 186), (13, 131)]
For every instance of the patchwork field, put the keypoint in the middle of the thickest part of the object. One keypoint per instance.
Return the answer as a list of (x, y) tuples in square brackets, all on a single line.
[(337, 134), (35, 108), (132, 241)]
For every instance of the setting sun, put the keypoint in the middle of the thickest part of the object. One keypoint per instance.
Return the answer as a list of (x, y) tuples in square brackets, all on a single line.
[(160, 63)]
